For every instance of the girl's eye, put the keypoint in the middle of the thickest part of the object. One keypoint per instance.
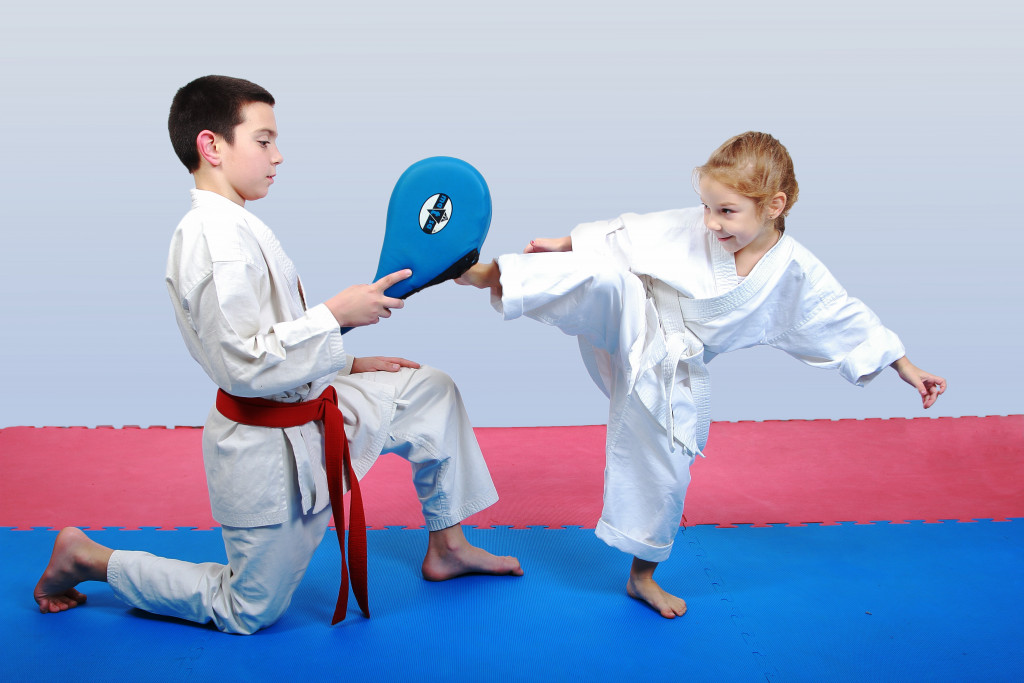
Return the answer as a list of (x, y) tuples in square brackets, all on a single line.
[(264, 143)]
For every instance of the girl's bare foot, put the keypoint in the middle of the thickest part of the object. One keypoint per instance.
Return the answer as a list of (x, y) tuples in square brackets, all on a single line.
[(75, 558), (482, 276), (449, 554), (641, 586)]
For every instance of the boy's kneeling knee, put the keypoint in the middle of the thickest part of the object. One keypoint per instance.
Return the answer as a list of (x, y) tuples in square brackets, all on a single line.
[(246, 618)]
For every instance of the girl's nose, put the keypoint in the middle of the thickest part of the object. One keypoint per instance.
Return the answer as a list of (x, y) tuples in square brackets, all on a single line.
[(709, 220)]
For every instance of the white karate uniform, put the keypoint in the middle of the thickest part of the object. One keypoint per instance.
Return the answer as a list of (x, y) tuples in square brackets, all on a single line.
[(240, 308), (653, 298)]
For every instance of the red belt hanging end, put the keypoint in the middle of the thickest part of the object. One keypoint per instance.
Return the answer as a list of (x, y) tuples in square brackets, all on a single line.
[(339, 460)]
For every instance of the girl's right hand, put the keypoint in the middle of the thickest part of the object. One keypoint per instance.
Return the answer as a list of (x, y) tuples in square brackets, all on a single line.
[(543, 244)]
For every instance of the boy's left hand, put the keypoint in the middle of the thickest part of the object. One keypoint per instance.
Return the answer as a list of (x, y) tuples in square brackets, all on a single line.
[(928, 385), (381, 363)]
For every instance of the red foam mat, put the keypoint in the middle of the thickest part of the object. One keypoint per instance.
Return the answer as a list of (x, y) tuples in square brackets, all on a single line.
[(790, 472)]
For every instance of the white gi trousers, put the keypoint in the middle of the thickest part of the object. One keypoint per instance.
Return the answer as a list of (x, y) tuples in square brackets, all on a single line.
[(430, 429), (646, 474)]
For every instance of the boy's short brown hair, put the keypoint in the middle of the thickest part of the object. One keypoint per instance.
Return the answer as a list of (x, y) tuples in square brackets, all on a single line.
[(211, 103)]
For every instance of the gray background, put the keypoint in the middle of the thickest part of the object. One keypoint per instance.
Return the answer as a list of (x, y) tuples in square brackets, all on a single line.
[(904, 124)]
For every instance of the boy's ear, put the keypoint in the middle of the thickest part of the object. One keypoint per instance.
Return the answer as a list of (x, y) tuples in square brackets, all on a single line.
[(777, 203), (208, 143)]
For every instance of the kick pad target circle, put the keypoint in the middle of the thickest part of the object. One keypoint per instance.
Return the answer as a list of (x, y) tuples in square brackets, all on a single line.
[(435, 213)]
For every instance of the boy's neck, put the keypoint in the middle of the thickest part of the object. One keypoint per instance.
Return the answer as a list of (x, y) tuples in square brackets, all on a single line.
[(207, 178)]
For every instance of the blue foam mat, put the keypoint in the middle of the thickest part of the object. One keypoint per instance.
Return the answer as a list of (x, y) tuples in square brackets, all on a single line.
[(899, 602)]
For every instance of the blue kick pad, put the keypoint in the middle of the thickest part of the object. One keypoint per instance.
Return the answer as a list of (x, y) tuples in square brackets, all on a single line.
[(438, 218), (878, 602)]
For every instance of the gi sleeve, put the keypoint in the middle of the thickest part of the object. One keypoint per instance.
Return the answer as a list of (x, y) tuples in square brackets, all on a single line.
[(835, 330), (247, 352)]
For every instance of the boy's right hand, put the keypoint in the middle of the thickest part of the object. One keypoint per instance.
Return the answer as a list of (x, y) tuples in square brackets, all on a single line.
[(544, 244), (361, 305)]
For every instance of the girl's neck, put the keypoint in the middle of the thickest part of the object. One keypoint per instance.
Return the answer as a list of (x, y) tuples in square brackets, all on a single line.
[(749, 256)]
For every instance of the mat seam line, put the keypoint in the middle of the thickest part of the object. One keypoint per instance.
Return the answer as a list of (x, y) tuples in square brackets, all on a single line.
[(714, 576)]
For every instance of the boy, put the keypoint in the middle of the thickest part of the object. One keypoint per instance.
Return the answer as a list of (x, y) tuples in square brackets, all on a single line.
[(241, 310)]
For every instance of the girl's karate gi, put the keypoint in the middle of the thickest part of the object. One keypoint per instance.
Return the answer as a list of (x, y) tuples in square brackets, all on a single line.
[(240, 308), (653, 298)]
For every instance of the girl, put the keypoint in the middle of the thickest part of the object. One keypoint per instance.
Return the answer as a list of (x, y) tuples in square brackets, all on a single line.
[(653, 298)]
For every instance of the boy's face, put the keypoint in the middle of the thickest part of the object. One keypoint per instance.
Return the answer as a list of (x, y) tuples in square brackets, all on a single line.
[(250, 163), (733, 218)]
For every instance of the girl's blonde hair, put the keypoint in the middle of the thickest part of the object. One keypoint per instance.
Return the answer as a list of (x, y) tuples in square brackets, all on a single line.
[(757, 166)]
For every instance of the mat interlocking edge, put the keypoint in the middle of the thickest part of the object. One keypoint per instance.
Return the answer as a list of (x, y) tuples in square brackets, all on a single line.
[(791, 472)]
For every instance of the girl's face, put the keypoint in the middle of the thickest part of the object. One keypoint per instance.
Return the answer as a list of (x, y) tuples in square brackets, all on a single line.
[(734, 219)]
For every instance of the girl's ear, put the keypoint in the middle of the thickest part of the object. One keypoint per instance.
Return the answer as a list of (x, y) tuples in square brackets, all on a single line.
[(777, 205), (208, 143)]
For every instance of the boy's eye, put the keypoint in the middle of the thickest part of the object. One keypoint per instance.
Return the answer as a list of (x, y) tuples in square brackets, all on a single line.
[(727, 211), (263, 143)]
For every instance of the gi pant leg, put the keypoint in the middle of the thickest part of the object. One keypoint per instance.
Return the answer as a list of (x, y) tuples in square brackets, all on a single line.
[(645, 477), (645, 483), (425, 423), (417, 414), (265, 566)]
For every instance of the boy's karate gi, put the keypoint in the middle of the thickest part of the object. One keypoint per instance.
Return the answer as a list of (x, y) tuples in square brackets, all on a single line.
[(240, 308), (653, 298)]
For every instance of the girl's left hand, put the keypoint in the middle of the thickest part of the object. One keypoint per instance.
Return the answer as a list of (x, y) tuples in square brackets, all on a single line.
[(928, 385), (381, 363)]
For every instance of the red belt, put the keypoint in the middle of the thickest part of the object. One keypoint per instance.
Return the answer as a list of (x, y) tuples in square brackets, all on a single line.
[(261, 412)]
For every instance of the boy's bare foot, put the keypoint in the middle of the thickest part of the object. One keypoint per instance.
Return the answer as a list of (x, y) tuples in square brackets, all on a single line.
[(641, 586), (449, 554), (75, 558)]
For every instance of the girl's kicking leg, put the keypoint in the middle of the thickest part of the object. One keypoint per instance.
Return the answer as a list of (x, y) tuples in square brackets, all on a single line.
[(647, 475)]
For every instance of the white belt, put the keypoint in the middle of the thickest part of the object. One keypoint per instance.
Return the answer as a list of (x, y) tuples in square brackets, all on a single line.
[(682, 346)]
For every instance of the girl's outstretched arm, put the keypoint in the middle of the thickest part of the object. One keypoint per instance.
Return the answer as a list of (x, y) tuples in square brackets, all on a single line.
[(928, 385)]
